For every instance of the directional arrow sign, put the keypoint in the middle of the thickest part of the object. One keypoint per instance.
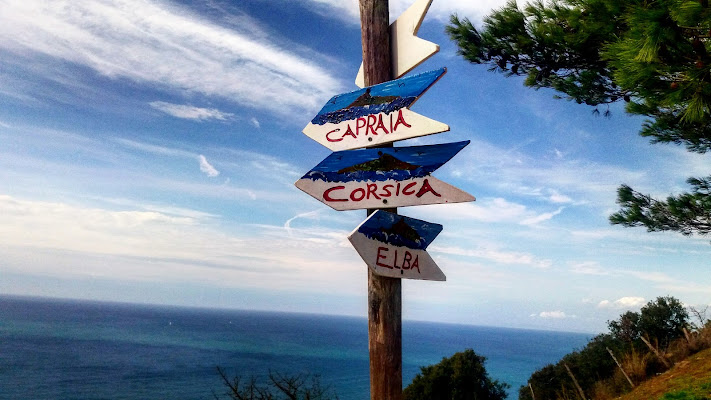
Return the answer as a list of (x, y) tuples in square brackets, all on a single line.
[(394, 245), (375, 115), (407, 50), (383, 177)]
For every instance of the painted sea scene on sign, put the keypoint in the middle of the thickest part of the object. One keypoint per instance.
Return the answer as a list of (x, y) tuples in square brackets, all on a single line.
[(381, 164), (395, 245), (399, 230), (375, 115), (385, 97), (391, 177)]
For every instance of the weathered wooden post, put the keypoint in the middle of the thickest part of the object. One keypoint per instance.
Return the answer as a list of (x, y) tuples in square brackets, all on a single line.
[(575, 381), (384, 293), (367, 172), (533, 395), (620, 366), (656, 352)]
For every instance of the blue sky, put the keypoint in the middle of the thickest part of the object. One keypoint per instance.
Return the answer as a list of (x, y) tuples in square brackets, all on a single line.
[(148, 151)]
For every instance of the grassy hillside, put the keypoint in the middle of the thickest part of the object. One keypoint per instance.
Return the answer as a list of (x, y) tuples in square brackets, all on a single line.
[(687, 380)]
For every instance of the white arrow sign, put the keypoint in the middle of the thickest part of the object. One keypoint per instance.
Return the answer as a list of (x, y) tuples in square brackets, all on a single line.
[(406, 50), (375, 115), (383, 177), (395, 246)]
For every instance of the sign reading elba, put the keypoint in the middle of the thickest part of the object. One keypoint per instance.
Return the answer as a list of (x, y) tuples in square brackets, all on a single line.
[(395, 246), (383, 177), (375, 115)]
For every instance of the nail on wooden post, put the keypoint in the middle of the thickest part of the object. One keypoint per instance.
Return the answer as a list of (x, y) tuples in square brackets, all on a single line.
[(384, 294)]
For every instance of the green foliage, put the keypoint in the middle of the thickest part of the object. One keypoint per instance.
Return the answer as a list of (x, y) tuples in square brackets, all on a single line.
[(626, 328), (686, 213), (660, 320), (683, 395), (589, 365), (654, 55), (459, 377), (663, 319)]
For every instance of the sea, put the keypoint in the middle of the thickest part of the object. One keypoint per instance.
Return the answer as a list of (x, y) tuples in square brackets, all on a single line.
[(67, 349)]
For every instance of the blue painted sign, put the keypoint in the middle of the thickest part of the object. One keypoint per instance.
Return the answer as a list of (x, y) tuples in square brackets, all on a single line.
[(375, 115), (383, 177), (395, 246)]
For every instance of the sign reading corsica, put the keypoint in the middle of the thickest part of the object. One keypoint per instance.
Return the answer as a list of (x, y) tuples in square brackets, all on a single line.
[(383, 177), (395, 246), (375, 115)]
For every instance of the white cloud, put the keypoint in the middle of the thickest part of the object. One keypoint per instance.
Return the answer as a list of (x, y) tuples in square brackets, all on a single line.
[(42, 237), (207, 168), (552, 315), (190, 112), (658, 277), (542, 217), (165, 45), (512, 171), (154, 149), (255, 122), (495, 255), (588, 268), (307, 215), (483, 210), (623, 303), (556, 197), (490, 210)]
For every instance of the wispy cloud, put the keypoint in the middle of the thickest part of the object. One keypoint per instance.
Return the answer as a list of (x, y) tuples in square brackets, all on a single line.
[(169, 47), (588, 268), (541, 217), (207, 168), (36, 236), (555, 181), (623, 303), (496, 255), (190, 112), (255, 122), (154, 148), (552, 315), (494, 210)]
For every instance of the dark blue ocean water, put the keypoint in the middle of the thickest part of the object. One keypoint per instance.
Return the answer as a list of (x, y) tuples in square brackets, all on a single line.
[(59, 349)]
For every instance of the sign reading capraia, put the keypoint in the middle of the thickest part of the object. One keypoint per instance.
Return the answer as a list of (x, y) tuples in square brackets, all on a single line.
[(375, 115)]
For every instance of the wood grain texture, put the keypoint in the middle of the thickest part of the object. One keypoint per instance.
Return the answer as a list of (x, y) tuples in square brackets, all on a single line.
[(384, 294), (407, 51)]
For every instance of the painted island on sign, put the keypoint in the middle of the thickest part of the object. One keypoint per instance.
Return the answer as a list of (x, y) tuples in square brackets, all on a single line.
[(390, 177), (395, 245), (375, 115)]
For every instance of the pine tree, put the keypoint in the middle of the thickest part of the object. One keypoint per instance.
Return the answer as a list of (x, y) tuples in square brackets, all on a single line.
[(653, 55)]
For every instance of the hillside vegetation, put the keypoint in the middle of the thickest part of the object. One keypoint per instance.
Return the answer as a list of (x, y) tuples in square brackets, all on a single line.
[(687, 380), (653, 345)]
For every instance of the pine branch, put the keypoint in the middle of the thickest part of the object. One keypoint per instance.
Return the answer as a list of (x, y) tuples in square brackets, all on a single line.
[(688, 213)]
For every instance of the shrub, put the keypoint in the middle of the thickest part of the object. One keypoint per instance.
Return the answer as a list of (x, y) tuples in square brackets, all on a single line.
[(459, 377)]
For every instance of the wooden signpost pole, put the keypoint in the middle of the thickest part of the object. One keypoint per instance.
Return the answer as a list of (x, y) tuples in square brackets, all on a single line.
[(384, 294)]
